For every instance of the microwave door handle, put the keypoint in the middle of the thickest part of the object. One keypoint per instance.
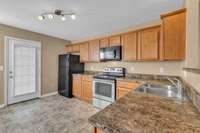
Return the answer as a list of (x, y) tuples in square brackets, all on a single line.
[(115, 53)]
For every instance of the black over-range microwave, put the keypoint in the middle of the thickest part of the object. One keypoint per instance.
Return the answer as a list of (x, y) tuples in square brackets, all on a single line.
[(110, 53)]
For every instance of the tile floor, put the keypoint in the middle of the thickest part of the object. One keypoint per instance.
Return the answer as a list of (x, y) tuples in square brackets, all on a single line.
[(53, 114)]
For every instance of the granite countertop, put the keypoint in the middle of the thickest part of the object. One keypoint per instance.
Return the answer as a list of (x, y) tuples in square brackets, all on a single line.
[(145, 113), (92, 73)]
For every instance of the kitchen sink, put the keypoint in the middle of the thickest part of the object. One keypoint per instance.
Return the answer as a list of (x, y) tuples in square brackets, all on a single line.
[(167, 91)]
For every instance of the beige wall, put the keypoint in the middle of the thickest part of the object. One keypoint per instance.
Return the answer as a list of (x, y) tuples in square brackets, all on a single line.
[(193, 43), (51, 48), (193, 28), (170, 68)]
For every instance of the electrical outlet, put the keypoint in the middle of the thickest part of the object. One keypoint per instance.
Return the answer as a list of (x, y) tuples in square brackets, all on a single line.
[(162, 70), (132, 69), (1, 68)]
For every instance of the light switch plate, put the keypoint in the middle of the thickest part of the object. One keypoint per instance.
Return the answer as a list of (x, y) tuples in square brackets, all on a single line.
[(1, 68)]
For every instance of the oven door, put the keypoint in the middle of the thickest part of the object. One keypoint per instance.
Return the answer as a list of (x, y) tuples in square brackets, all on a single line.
[(104, 89)]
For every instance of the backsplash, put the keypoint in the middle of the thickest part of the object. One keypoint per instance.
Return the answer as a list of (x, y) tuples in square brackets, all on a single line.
[(159, 68)]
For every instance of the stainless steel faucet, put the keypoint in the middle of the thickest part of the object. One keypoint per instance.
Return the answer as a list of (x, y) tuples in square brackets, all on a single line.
[(178, 84)]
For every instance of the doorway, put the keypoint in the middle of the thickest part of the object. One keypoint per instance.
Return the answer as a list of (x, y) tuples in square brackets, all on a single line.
[(22, 70)]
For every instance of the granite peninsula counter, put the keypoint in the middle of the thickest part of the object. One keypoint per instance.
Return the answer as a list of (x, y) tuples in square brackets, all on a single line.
[(145, 113)]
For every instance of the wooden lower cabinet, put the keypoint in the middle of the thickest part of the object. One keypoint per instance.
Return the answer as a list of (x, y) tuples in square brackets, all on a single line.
[(87, 90), (122, 91), (77, 85), (123, 87), (82, 87), (97, 130)]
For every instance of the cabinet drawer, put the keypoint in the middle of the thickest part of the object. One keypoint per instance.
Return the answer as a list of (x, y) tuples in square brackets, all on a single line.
[(122, 91), (127, 85), (87, 78)]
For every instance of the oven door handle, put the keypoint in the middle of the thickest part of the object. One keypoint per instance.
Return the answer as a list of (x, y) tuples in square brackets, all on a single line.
[(104, 81)]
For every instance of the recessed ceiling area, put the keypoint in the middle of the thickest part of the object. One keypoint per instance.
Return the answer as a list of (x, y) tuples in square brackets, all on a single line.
[(94, 17)]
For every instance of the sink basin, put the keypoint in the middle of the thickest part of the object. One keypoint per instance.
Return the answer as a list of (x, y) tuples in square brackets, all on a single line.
[(162, 91)]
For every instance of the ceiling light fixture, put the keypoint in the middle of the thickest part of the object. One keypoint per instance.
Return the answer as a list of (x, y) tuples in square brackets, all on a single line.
[(40, 17), (57, 13), (73, 16), (50, 16), (63, 18)]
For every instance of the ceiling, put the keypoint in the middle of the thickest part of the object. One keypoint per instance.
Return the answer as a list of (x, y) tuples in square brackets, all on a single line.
[(94, 17)]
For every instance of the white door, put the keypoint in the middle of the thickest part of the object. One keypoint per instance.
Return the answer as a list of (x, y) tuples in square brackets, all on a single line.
[(23, 71)]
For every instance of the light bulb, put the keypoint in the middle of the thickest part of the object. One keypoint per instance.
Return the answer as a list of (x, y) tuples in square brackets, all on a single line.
[(40, 17), (50, 16), (63, 18), (73, 16)]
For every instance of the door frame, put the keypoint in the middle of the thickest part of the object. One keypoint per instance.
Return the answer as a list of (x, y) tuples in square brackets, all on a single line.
[(6, 57)]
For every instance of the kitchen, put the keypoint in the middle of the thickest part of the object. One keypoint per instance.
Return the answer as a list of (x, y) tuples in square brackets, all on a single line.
[(141, 78)]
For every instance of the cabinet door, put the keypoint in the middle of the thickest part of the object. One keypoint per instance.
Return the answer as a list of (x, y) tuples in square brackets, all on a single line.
[(97, 130), (129, 42), (68, 49), (149, 40), (84, 52), (77, 86), (115, 40), (76, 48), (104, 43), (94, 51), (174, 36), (87, 90)]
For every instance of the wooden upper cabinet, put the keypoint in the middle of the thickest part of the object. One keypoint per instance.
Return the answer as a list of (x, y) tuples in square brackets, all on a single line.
[(129, 42), (104, 43), (84, 52), (174, 35), (68, 49), (148, 43), (76, 48), (94, 51), (115, 40)]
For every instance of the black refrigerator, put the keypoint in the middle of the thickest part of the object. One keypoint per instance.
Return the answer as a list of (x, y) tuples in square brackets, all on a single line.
[(68, 65)]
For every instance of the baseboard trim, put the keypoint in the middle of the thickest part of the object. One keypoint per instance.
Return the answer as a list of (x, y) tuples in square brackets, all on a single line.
[(49, 94), (2, 106)]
